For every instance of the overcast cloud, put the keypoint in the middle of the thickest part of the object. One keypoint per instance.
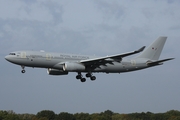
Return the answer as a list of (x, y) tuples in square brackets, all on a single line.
[(99, 27)]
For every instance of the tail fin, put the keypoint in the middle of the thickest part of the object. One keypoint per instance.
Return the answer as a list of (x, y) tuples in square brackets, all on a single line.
[(153, 52)]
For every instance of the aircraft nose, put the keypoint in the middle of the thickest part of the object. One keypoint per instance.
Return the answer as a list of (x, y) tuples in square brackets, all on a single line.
[(7, 58)]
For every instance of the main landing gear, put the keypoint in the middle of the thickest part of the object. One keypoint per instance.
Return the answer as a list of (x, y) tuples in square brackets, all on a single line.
[(23, 71), (90, 76), (80, 76)]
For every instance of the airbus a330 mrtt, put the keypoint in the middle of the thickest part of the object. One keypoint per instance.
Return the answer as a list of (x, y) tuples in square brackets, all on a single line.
[(62, 64)]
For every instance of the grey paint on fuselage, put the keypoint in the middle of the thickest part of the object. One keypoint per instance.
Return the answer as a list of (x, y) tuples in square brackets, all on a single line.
[(61, 64), (54, 60)]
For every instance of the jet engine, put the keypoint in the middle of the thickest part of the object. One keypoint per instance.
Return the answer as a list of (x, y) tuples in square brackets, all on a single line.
[(51, 71), (73, 67)]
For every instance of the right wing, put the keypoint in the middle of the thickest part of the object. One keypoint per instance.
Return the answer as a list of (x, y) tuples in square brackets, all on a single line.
[(108, 59)]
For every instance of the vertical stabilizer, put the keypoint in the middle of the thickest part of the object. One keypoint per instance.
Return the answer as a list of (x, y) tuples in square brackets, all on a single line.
[(153, 52)]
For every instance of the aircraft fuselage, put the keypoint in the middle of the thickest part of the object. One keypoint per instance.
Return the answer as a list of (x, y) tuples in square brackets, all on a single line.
[(54, 60), (62, 64)]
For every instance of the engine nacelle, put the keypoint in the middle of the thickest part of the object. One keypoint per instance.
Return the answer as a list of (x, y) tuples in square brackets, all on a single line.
[(73, 67), (51, 71)]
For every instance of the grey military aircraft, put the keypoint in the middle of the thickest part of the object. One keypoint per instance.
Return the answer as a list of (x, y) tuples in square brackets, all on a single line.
[(62, 64)]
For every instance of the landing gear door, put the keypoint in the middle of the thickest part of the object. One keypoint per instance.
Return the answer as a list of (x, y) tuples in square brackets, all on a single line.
[(23, 54)]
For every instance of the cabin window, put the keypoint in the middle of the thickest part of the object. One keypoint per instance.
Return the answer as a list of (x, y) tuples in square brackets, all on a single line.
[(12, 54)]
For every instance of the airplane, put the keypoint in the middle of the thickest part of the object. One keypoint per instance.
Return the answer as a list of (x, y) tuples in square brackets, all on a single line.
[(62, 64)]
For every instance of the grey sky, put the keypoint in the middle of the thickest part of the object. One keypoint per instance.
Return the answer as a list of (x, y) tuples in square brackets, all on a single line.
[(100, 27)]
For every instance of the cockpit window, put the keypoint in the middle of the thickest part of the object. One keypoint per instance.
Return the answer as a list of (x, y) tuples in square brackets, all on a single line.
[(12, 54)]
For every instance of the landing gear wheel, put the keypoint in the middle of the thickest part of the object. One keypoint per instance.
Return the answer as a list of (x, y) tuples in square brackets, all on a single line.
[(78, 77), (83, 79), (23, 71), (93, 78), (88, 75)]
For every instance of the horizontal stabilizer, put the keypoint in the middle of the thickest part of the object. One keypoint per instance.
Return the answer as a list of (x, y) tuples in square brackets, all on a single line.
[(159, 62)]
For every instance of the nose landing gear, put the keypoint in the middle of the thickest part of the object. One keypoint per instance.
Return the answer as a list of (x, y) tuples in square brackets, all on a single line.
[(23, 71)]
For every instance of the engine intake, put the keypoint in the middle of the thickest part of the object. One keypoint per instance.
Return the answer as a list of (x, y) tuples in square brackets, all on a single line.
[(51, 71), (73, 67)]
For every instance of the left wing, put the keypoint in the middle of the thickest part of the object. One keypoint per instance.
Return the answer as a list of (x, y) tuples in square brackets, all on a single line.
[(108, 59)]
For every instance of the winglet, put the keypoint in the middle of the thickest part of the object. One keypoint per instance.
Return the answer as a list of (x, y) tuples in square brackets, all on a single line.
[(141, 49)]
